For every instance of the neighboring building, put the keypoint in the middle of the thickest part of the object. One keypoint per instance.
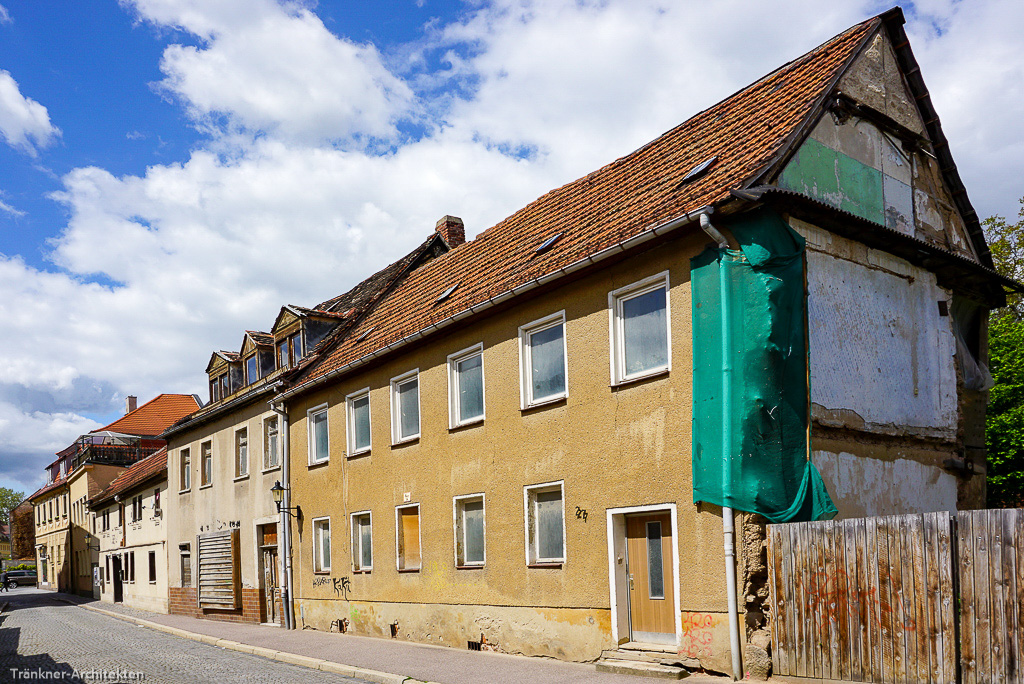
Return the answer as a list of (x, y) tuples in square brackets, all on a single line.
[(129, 525), (223, 460), (23, 531), (526, 440), (65, 558), (5, 542)]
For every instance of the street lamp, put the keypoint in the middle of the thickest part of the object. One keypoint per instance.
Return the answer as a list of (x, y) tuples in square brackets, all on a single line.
[(277, 491)]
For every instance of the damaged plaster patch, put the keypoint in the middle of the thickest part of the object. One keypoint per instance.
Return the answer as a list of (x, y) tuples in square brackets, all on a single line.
[(896, 487)]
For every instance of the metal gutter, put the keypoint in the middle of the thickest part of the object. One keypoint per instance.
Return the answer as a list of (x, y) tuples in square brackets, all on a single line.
[(217, 411), (618, 248)]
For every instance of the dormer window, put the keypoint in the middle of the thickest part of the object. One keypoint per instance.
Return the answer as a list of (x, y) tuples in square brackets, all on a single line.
[(219, 387), (252, 369), (289, 351)]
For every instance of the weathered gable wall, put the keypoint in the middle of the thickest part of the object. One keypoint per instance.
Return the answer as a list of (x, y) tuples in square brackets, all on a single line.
[(852, 164)]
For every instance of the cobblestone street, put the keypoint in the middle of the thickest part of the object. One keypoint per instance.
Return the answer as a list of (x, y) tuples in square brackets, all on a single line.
[(39, 632)]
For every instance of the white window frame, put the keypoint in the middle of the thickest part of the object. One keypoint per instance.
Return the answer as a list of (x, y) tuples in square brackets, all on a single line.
[(202, 468), (453, 386), (532, 558), (280, 447), (526, 399), (238, 475), (185, 473), (311, 441), (357, 554), (350, 422), (616, 333), (396, 413), (459, 531), (318, 552), (398, 537)]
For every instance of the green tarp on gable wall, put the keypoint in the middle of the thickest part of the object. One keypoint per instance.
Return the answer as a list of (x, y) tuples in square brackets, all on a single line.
[(750, 449)]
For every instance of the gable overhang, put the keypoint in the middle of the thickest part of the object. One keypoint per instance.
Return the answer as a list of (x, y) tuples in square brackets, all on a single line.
[(220, 410), (216, 358), (953, 271)]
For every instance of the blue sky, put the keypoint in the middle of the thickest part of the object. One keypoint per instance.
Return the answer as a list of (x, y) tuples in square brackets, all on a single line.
[(173, 171)]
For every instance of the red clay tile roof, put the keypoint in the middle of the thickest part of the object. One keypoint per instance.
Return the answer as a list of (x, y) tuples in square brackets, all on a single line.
[(745, 132), (151, 466), (47, 488), (261, 338), (155, 416)]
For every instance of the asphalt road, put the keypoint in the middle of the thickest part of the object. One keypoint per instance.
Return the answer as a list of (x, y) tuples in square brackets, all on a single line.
[(41, 634)]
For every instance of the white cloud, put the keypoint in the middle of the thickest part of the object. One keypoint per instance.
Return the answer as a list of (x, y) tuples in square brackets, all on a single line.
[(25, 123), (4, 206), (287, 204), (277, 69), (5, 17)]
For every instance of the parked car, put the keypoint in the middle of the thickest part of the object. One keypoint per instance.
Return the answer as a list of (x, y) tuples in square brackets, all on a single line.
[(21, 577)]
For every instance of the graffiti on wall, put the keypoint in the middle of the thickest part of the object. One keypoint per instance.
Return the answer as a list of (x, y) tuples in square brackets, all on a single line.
[(698, 635), (341, 585), (832, 593)]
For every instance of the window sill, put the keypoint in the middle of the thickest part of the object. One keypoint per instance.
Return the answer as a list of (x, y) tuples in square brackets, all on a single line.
[(406, 440), (545, 402), (466, 424), (239, 478), (206, 486), (270, 469), (322, 572), (362, 572), (318, 464), (184, 491), (478, 566), (403, 571), (553, 564), (637, 378), (357, 454)]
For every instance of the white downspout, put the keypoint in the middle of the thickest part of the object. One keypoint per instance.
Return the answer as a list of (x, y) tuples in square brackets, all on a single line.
[(287, 602), (728, 523)]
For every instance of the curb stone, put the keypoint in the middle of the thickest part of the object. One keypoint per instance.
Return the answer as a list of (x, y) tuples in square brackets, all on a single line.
[(270, 654)]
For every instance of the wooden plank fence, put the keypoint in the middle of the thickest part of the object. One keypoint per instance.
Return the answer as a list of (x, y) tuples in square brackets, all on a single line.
[(931, 598)]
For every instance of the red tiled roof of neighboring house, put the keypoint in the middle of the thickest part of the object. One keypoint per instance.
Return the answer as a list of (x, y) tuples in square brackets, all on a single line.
[(155, 416), (47, 488), (149, 467), (746, 133)]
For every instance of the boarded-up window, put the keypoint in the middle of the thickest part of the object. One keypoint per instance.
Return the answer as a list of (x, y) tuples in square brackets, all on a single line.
[(409, 538), (185, 551), (218, 574)]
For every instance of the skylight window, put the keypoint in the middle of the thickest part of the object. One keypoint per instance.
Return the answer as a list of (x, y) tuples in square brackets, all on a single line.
[(446, 294), (699, 170), (546, 245)]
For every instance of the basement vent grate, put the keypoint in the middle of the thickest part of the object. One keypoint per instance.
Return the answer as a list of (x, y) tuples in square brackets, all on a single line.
[(473, 645)]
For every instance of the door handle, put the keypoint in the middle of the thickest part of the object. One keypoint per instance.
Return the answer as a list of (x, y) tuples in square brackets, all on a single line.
[(631, 581)]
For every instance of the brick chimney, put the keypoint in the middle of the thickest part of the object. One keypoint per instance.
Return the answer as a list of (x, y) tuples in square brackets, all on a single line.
[(452, 230), (130, 404)]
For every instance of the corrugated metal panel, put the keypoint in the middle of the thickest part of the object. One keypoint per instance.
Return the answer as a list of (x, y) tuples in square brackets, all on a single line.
[(219, 585)]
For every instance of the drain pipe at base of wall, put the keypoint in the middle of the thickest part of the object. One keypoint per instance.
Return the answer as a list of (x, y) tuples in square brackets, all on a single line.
[(287, 603), (728, 524)]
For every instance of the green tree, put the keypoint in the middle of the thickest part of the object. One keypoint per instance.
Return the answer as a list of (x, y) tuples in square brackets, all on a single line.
[(1004, 430), (9, 500)]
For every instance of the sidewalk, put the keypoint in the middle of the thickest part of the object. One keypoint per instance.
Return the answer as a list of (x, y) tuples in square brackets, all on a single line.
[(382, 660)]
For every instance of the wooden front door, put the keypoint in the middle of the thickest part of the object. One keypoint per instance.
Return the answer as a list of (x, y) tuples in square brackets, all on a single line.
[(651, 583), (270, 584), (268, 565)]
